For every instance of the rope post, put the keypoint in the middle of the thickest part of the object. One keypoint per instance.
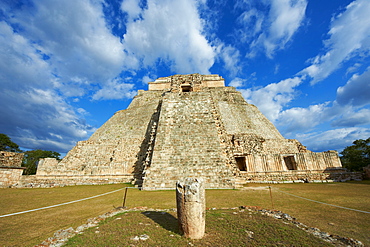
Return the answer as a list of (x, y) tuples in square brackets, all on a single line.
[(124, 198), (272, 202)]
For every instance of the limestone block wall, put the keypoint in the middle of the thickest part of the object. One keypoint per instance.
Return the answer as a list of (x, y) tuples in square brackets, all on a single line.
[(239, 117), (10, 168), (187, 144), (186, 126), (115, 148), (294, 176), (11, 159), (301, 161), (10, 176), (47, 166)]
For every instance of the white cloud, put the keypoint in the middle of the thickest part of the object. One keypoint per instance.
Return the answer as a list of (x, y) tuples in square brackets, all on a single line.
[(237, 82), (356, 92), (132, 8), (74, 35), (351, 119), (172, 32), (271, 99), (51, 50), (334, 139), (231, 58), (37, 118), (349, 36), (146, 79), (273, 31), (302, 119), (115, 89), (20, 64), (286, 17)]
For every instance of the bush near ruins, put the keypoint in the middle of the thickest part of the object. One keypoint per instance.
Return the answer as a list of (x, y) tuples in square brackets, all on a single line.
[(31, 159), (357, 156), (7, 145)]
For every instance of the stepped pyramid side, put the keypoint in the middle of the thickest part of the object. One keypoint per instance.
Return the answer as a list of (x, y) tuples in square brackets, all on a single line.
[(190, 126), (188, 144), (114, 149)]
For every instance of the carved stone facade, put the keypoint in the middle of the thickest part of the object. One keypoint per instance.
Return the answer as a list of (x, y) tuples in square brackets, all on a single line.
[(189, 126)]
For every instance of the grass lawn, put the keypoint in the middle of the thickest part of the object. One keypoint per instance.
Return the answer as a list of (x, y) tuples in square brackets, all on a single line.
[(223, 228), (32, 228)]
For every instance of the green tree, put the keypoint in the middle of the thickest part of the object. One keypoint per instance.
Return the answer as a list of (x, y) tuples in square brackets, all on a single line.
[(7, 145), (357, 156), (31, 159)]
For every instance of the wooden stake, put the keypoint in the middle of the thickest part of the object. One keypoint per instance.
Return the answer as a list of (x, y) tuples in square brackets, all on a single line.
[(124, 198), (272, 203)]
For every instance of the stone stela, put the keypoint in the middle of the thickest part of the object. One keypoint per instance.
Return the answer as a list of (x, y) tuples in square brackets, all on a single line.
[(191, 207), (188, 126)]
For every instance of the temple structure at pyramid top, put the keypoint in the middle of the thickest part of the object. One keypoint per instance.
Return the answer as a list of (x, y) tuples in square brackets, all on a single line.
[(189, 126)]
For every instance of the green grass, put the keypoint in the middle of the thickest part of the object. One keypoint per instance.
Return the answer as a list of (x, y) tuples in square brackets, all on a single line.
[(32, 228), (223, 228)]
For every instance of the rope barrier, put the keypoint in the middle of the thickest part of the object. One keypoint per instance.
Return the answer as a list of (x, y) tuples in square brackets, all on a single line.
[(61, 204), (325, 203)]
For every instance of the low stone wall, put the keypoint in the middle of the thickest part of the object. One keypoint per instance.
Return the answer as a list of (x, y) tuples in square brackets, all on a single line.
[(301, 176), (11, 159), (35, 181), (10, 168), (10, 176)]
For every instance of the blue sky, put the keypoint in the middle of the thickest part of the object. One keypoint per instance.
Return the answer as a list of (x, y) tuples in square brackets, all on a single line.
[(67, 66)]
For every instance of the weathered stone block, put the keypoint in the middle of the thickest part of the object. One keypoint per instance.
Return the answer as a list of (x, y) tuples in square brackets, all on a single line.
[(191, 205)]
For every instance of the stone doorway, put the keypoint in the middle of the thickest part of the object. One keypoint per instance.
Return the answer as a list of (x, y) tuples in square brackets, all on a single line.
[(290, 162), (242, 165), (186, 87)]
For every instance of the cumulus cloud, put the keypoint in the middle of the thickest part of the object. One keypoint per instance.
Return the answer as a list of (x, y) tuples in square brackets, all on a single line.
[(50, 51), (286, 17), (115, 89), (349, 36), (356, 92), (302, 119), (231, 58), (350, 109), (132, 8), (334, 139), (237, 82), (38, 118), (171, 32), (273, 31), (75, 36), (351, 119), (272, 98)]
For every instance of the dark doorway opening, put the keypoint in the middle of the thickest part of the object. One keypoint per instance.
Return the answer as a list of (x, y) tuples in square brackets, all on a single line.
[(242, 165), (186, 88), (290, 162)]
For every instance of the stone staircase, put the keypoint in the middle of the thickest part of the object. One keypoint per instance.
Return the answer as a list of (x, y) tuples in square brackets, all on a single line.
[(188, 144)]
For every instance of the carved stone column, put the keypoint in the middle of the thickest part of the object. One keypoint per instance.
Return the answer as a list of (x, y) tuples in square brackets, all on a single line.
[(191, 205)]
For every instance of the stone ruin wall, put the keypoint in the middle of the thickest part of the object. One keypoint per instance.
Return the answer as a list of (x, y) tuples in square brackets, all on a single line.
[(112, 152), (10, 168), (300, 161), (188, 144), (188, 125), (11, 159)]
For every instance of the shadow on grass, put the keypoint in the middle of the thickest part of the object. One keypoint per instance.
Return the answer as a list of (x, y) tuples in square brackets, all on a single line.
[(364, 182), (164, 219)]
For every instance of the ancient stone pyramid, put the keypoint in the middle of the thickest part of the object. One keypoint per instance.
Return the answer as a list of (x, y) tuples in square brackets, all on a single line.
[(188, 126)]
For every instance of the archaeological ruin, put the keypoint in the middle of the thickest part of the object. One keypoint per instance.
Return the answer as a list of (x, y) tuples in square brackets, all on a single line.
[(10, 168), (189, 126)]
